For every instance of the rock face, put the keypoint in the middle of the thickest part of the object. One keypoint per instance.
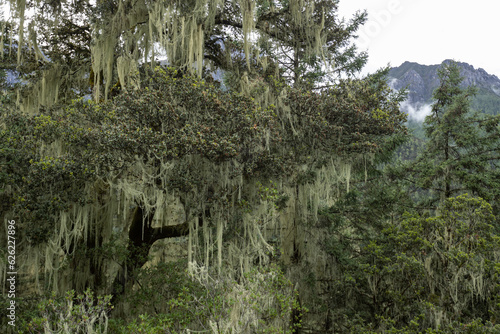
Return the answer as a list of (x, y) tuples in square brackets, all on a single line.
[(422, 80), (479, 77)]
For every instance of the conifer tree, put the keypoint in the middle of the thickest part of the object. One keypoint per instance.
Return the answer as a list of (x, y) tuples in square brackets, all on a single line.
[(463, 148)]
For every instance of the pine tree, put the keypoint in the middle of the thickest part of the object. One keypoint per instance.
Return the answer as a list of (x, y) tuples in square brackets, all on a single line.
[(462, 153)]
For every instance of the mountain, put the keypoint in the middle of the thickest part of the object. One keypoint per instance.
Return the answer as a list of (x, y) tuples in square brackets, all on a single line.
[(421, 80)]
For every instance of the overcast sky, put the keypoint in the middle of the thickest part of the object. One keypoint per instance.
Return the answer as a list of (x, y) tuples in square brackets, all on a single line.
[(429, 31)]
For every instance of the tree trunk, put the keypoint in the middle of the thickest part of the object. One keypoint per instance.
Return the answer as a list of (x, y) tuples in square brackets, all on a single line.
[(141, 238)]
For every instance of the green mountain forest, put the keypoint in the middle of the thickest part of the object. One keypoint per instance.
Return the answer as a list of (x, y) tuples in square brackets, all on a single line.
[(220, 166), (422, 80)]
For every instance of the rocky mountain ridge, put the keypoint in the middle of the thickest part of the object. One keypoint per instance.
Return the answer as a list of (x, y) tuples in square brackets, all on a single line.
[(422, 80)]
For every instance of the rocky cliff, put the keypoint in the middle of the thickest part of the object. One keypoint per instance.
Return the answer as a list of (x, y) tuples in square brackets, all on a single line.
[(421, 80)]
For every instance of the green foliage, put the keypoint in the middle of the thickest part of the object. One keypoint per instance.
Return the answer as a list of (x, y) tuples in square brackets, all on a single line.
[(412, 272), (148, 324), (461, 153), (274, 300), (264, 302), (182, 311), (312, 50), (414, 144), (441, 269), (41, 185), (71, 314), (486, 102), (176, 117), (474, 327), (175, 133), (160, 283)]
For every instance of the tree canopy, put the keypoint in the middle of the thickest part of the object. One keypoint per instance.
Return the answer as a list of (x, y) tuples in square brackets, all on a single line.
[(238, 138), (461, 154), (122, 120)]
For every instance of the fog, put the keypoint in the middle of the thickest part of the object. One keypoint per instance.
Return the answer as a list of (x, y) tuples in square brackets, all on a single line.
[(416, 113)]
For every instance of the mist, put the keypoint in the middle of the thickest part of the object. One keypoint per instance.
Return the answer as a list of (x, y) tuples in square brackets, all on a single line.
[(416, 113)]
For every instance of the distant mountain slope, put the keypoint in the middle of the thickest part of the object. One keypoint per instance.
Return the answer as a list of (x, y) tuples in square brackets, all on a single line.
[(421, 81)]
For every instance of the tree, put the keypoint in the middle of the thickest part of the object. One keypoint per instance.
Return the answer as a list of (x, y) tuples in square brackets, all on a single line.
[(400, 270), (305, 60), (427, 273), (462, 150), (190, 35), (81, 166), (246, 168)]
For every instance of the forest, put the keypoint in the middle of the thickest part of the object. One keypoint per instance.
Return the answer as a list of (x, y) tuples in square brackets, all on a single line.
[(221, 166)]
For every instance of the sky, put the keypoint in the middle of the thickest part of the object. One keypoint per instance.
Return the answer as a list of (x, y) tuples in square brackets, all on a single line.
[(428, 32)]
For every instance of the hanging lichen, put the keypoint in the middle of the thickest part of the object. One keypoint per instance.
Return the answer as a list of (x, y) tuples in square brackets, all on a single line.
[(2, 38), (20, 9), (248, 171)]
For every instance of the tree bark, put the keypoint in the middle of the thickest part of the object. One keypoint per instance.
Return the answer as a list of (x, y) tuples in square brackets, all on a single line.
[(141, 237)]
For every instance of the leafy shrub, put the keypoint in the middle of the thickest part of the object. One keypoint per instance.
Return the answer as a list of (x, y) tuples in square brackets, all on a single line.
[(70, 315)]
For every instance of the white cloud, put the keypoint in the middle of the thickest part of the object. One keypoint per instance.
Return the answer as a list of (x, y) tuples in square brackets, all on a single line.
[(496, 89), (416, 113)]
